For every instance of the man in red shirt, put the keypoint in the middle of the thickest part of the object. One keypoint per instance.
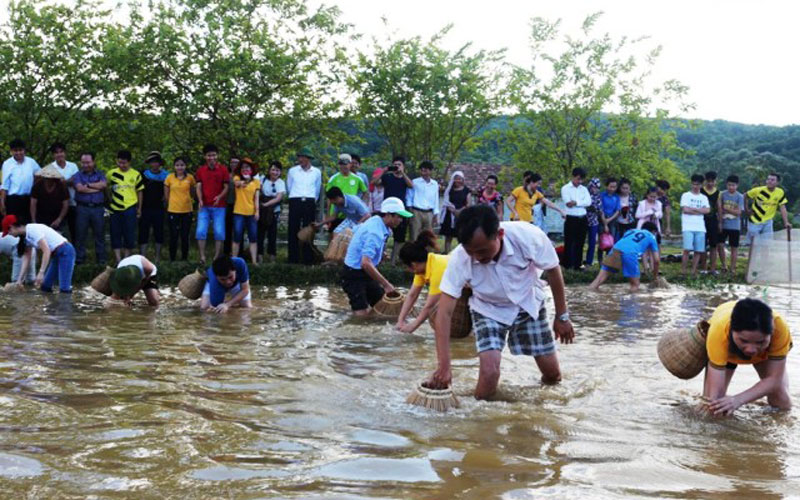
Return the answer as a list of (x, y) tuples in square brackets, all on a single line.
[(212, 187)]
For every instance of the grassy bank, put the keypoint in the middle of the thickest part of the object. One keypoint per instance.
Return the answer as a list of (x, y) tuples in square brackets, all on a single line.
[(283, 274)]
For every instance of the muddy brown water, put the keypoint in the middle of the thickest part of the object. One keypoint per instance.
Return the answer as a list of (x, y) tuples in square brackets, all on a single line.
[(294, 400)]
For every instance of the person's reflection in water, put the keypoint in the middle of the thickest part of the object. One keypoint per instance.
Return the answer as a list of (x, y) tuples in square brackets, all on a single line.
[(631, 319)]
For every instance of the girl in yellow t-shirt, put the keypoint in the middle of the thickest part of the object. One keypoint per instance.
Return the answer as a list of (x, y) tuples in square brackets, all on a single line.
[(245, 210), (178, 191), (747, 332), (522, 199), (428, 268)]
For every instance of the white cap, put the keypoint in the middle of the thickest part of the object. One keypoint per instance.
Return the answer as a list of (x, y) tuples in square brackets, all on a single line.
[(394, 205), (345, 158)]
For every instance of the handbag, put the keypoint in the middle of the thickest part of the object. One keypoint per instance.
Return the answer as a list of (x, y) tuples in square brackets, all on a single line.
[(606, 242)]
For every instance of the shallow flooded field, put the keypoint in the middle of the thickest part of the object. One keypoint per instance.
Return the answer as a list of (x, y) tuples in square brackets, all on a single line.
[(294, 400)]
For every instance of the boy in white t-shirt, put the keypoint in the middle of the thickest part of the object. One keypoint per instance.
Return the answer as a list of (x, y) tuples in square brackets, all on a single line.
[(693, 206)]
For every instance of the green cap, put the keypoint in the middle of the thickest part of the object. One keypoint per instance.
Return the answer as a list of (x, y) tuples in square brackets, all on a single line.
[(125, 281), (305, 152)]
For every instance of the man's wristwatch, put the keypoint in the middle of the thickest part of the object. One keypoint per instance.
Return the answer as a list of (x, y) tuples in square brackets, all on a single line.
[(563, 317)]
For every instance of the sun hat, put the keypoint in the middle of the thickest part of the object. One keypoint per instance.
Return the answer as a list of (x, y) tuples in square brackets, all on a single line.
[(154, 156), (345, 158), (8, 221), (305, 152), (49, 172), (394, 205), (126, 281)]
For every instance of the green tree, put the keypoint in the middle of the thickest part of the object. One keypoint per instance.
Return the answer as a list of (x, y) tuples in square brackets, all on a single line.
[(59, 73), (424, 101), (566, 98), (253, 76)]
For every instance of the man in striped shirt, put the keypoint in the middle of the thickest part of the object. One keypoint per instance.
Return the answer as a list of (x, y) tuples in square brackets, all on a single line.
[(763, 202), (125, 201)]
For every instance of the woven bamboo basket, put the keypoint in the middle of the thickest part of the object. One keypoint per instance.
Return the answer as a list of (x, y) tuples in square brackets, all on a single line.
[(306, 235), (613, 260), (461, 323), (434, 399), (191, 285), (102, 282), (683, 352), (390, 304), (337, 250), (13, 287)]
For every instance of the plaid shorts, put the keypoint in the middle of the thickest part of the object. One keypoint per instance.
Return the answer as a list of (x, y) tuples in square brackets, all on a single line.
[(526, 335)]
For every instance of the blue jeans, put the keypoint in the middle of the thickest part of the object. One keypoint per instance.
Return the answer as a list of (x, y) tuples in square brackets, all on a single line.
[(86, 217), (239, 222), (214, 216), (593, 231), (62, 263), (123, 228)]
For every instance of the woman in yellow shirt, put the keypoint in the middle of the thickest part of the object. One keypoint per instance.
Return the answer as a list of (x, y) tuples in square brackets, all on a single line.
[(428, 268), (747, 332), (245, 208), (178, 189), (522, 199)]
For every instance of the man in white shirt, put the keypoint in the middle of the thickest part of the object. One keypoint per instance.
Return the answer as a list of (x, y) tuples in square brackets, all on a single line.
[(577, 198), (67, 169), (303, 183), (15, 192), (694, 205), (501, 263), (424, 200)]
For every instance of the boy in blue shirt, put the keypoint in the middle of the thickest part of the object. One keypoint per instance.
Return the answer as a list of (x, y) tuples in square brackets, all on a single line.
[(625, 256), (226, 276)]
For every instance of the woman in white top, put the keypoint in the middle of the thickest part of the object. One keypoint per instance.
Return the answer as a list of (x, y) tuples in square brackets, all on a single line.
[(135, 273), (273, 190), (54, 248), (9, 246)]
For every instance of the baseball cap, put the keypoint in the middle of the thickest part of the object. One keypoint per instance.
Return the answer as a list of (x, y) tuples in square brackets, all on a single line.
[(8, 221), (345, 158), (394, 205)]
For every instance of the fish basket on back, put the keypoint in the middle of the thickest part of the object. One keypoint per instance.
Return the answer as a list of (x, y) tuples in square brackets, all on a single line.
[(390, 304), (461, 322), (102, 282), (337, 250), (434, 399), (191, 285), (306, 235), (683, 352)]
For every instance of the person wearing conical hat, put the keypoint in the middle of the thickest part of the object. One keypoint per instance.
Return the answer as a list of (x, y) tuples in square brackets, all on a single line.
[(361, 280), (50, 199), (747, 332), (303, 183), (132, 274)]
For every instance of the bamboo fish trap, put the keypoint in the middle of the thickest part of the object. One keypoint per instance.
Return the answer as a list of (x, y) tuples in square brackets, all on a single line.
[(192, 285), (102, 282), (390, 304), (683, 352), (433, 399), (337, 250)]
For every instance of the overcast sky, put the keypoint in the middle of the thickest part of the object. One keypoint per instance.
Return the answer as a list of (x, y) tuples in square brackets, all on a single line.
[(738, 57)]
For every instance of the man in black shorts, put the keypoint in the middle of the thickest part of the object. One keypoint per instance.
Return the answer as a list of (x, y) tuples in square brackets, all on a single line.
[(711, 219), (396, 184)]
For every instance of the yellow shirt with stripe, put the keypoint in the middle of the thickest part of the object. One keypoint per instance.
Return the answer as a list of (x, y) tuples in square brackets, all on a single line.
[(524, 203), (245, 197), (124, 187), (180, 193), (766, 203), (434, 270), (719, 339)]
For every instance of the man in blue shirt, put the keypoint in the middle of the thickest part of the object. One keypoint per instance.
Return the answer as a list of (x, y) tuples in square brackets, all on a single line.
[(354, 210), (15, 193), (90, 186), (625, 256), (226, 276), (361, 280)]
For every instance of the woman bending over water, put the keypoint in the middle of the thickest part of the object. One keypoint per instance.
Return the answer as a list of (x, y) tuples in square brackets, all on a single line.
[(747, 333)]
